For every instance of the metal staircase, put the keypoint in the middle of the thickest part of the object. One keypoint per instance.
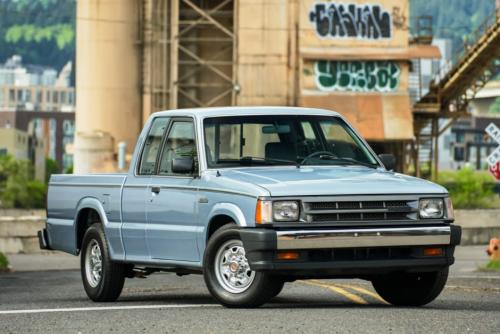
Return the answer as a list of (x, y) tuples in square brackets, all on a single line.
[(455, 85)]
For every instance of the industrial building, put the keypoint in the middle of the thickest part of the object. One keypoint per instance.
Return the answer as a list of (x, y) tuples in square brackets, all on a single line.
[(135, 57)]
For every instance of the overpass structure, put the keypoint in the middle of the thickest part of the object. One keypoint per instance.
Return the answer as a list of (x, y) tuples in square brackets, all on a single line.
[(454, 86)]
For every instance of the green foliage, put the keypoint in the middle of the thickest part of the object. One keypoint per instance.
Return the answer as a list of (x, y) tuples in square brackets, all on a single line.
[(41, 31), (18, 188), (469, 189), (493, 265), (69, 170), (495, 106), (4, 262), (26, 4), (51, 167), (454, 19), (63, 34)]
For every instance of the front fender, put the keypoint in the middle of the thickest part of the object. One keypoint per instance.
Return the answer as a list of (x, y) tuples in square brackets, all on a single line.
[(228, 209)]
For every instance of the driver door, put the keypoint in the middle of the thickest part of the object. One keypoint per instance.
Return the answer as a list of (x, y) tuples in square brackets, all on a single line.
[(172, 208)]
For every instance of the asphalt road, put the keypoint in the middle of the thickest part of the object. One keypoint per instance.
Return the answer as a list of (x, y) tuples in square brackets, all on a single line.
[(55, 302)]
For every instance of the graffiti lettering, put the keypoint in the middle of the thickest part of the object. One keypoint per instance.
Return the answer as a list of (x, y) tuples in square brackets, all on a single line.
[(357, 76), (350, 21)]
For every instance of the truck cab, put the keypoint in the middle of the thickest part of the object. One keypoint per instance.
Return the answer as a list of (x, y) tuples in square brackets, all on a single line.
[(253, 198)]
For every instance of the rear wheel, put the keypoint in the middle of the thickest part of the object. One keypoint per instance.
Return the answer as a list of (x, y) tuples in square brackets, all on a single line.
[(411, 289), (102, 278), (228, 275)]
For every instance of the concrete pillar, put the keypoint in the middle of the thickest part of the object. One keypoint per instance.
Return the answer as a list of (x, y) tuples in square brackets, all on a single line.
[(96, 153), (108, 97)]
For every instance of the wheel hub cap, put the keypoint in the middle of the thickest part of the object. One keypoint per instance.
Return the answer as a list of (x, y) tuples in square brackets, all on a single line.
[(93, 263), (234, 267), (231, 267)]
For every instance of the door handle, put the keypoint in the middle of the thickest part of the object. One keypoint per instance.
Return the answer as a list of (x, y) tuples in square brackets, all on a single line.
[(155, 190)]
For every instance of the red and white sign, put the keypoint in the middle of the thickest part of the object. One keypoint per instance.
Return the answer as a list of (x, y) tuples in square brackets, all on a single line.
[(495, 170), (494, 158)]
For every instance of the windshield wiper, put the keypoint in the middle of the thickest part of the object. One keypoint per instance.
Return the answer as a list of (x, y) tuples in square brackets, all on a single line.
[(349, 161), (250, 159)]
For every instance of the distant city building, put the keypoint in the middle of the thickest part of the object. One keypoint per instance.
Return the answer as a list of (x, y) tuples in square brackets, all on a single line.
[(33, 88), (482, 104), (21, 145)]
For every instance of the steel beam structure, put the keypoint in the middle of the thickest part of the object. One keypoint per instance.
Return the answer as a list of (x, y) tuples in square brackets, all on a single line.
[(456, 85), (189, 57)]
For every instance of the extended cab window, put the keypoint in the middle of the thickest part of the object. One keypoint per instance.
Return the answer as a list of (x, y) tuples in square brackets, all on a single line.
[(180, 143), (152, 146)]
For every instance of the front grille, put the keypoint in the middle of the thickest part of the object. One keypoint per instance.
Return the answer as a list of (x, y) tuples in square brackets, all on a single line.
[(366, 210)]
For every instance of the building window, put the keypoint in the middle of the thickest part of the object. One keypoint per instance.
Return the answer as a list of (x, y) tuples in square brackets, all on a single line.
[(459, 154), (472, 154), (446, 142), (460, 137)]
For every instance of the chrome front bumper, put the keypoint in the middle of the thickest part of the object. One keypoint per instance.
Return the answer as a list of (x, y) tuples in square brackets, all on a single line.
[(376, 237)]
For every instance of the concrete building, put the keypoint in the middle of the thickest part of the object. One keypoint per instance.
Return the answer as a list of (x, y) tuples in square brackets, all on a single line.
[(22, 146), (135, 57), (37, 89)]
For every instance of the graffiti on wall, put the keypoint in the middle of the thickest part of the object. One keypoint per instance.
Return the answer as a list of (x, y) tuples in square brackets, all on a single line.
[(337, 20), (357, 76)]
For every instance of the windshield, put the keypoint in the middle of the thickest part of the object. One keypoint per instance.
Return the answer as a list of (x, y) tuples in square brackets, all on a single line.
[(283, 140)]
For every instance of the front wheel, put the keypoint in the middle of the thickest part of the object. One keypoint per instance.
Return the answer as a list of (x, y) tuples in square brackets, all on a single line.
[(411, 289), (102, 278), (228, 275)]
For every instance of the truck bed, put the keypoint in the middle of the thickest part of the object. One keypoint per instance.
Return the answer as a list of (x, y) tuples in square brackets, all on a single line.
[(67, 193)]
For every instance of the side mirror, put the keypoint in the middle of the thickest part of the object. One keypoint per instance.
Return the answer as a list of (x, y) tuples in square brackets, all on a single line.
[(184, 165), (388, 160)]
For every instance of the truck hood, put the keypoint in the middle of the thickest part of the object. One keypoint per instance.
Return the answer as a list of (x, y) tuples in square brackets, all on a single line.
[(331, 180)]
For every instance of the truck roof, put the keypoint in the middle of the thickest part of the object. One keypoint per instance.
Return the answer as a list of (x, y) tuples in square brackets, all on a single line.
[(245, 111)]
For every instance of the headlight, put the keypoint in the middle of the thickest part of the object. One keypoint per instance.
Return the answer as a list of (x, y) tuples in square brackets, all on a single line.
[(286, 211), (431, 208)]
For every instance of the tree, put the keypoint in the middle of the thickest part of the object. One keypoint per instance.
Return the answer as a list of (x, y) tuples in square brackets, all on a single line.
[(18, 188), (495, 106), (41, 31), (51, 167)]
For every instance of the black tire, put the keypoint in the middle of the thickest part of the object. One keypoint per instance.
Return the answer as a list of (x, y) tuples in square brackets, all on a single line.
[(259, 291), (411, 289), (277, 286), (110, 284)]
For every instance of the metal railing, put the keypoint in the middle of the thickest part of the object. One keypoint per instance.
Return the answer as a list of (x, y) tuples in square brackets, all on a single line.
[(468, 46)]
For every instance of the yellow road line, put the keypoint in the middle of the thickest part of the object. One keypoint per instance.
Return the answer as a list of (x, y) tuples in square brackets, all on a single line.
[(351, 296), (364, 291)]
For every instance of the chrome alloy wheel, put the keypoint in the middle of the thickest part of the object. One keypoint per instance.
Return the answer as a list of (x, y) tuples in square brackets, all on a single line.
[(93, 263), (231, 267)]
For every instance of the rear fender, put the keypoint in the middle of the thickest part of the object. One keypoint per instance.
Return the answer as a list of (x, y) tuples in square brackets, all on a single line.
[(111, 230)]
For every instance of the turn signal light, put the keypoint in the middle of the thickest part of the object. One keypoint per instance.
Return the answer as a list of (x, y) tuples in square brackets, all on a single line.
[(433, 251), (264, 212), (288, 255)]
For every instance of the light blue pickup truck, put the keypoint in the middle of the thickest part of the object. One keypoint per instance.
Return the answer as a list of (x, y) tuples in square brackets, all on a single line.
[(253, 198)]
